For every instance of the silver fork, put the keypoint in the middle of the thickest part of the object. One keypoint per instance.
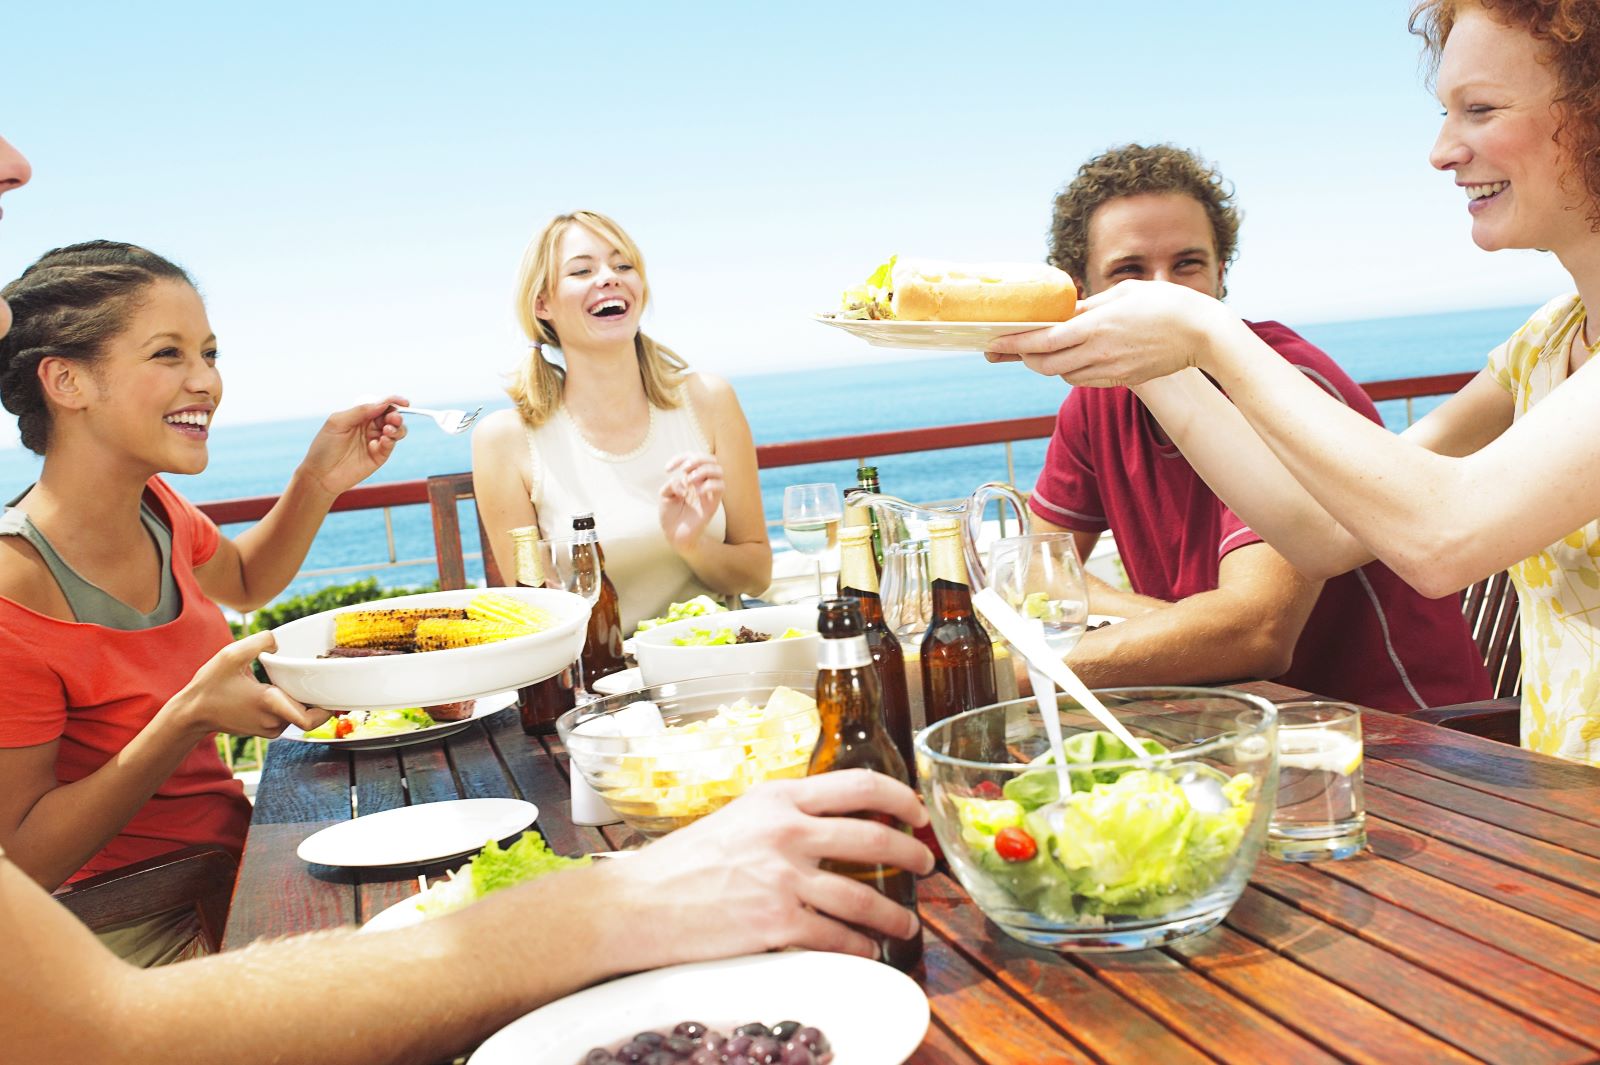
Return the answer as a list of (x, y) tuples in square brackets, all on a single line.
[(451, 421)]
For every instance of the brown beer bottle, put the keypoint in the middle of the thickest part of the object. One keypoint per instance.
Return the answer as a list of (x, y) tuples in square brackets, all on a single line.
[(602, 648), (539, 704), (957, 657), (859, 580), (854, 737)]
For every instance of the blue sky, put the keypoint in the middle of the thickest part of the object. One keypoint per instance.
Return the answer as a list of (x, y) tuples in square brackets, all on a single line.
[(353, 183)]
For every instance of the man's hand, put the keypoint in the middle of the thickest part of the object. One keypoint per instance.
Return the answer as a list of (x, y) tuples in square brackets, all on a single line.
[(745, 879)]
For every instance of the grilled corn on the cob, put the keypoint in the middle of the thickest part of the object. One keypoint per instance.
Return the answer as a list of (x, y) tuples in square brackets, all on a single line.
[(436, 634), (386, 629), (507, 610)]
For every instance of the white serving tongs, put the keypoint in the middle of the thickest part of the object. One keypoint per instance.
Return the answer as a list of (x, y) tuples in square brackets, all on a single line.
[(1199, 783), (1015, 628)]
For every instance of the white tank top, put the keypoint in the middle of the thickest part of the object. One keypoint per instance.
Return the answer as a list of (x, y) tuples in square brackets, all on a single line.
[(571, 476)]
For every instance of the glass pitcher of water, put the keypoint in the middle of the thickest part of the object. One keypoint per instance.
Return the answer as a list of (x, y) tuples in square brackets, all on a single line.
[(902, 522)]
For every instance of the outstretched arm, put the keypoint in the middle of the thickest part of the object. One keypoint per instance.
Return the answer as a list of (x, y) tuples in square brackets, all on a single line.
[(1241, 469), (247, 573), (1440, 520), (744, 880)]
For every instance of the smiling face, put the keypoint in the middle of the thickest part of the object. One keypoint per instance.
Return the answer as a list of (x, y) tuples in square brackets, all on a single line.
[(152, 392), (1499, 137), (598, 295), (1158, 236)]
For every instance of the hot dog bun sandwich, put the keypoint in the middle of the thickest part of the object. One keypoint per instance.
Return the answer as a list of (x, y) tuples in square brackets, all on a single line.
[(929, 290)]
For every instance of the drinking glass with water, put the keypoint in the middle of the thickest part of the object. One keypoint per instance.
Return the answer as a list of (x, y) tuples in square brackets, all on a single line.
[(1321, 812)]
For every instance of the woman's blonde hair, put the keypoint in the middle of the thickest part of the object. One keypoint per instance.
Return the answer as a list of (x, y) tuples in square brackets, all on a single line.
[(537, 386)]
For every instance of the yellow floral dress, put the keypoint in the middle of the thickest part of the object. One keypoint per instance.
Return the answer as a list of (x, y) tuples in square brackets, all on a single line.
[(1559, 588)]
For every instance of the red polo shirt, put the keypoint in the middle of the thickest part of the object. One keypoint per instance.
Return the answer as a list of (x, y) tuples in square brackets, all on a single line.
[(1371, 639)]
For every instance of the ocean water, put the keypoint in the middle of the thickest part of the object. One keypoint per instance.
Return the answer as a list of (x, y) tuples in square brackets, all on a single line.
[(904, 391)]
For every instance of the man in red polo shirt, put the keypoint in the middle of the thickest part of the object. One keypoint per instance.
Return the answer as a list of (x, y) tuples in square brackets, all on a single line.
[(1212, 601)]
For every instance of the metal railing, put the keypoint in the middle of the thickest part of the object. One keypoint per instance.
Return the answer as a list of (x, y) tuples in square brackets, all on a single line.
[(861, 448)]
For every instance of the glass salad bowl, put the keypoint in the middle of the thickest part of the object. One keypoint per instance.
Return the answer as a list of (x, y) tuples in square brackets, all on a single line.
[(1145, 849), (666, 755)]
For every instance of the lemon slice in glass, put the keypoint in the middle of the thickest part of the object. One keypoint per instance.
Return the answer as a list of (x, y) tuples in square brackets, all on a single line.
[(1319, 748)]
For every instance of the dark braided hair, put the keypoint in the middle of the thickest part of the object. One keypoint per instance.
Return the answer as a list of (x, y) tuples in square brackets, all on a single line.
[(69, 304)]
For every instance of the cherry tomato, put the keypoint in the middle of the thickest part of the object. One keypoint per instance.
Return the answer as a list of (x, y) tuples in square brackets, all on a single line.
[(342, 728), (987, 789), (1014, 845)]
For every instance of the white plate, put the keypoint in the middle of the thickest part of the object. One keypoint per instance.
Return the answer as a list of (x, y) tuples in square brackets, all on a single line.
[(926, 336), (872, 1014), (429, 677), (416, 835), (617, 683), (483, 708)]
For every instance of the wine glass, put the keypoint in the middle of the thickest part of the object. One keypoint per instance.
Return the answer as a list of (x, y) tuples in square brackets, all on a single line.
[(1040, 576), (811, 514)]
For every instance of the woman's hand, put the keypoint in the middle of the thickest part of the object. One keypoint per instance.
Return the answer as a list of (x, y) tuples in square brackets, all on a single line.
[(353, 443), (690, 497), (746, 879), (1126, 335), (225, 696)]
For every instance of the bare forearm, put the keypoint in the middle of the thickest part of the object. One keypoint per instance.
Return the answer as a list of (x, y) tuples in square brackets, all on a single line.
[(1196, 640), (1412, 508), (731, 569), (1105, 599), (462, 978), (1245, 473), (271, 551), (70, 823)]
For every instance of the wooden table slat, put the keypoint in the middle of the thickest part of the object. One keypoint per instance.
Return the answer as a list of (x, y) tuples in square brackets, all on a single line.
[(1422, 998), (1508, 773), (1341, 1021), (1558, 1003), (1503, 845), (1108, 1025), (1528, 892), (1489, 809), (985, 1017), (1220, 1023), (1534, 940)]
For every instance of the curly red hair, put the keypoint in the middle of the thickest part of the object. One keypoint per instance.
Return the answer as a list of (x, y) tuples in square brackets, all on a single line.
[(1570, 32)]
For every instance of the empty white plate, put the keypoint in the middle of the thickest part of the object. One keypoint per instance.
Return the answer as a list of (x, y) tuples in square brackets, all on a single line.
[(415, 835)]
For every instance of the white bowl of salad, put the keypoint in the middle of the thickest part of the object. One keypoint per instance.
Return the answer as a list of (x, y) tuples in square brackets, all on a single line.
[(765, 639)]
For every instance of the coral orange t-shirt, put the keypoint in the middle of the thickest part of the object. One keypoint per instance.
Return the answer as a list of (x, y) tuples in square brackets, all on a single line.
[(94, 689)]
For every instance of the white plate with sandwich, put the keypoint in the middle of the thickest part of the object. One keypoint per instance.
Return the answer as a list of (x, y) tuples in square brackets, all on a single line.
[(923, 304)]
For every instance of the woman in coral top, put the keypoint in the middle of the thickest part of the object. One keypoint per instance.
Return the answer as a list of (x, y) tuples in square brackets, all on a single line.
[(118, 666)]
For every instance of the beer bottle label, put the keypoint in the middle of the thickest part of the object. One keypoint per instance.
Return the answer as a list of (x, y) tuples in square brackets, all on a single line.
[(848, 653)]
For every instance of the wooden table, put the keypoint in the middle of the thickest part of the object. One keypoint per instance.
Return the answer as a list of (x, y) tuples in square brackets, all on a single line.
[(1470, 930)]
